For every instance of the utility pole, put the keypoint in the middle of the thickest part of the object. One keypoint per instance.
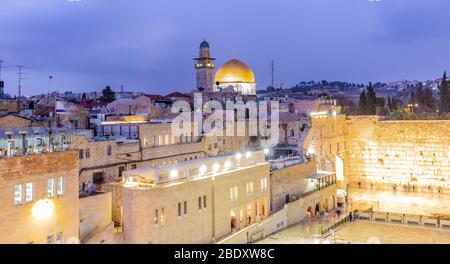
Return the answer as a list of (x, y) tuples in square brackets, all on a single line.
[(20, 73), (2, 84), (272, 72)]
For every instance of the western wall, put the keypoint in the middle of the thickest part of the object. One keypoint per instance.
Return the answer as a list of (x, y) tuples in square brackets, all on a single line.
[(409, 155)]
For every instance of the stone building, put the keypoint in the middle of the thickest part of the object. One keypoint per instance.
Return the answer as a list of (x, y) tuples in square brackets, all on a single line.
[(121, 146), (195, 201), (39, 198)]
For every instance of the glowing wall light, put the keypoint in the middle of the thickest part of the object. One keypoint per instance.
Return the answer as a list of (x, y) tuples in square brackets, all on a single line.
[(203, 169), (248, 154), (238, 156), (216, 167), (227, 165), (43, 209), (173, 174)]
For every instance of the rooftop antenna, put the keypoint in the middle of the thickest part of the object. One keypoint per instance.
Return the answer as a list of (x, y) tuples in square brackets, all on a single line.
[(272, 71), (121, 88), (20, 74)]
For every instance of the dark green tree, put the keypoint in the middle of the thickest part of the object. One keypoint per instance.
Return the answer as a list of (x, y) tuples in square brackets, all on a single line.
[(108, 95), (444, 96), (362, 106), (371, 100)]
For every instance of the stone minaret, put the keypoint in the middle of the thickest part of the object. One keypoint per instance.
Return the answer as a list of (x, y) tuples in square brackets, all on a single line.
[(204, 67)]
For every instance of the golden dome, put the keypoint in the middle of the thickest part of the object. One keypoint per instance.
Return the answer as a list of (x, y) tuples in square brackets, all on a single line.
[(234, 71)]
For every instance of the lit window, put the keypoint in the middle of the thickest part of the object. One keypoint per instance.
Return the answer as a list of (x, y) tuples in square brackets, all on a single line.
[(59, 236), (156, 216), (161, 140), (163, 215), (264, 184), (18, 194), (167, 140), (172, 139), (50, 188), (60, 190), (28, 192)]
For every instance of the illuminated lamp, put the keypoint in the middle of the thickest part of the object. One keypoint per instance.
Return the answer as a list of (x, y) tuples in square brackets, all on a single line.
[(43, 209)]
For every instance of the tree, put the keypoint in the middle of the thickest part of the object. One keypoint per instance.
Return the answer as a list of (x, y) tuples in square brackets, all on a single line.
[(362, 106), (413, 98), (444, 97), (371, 100), (108, 95)]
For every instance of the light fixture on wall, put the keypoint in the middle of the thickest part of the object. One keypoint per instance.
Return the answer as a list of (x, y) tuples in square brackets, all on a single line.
[(43, 209)]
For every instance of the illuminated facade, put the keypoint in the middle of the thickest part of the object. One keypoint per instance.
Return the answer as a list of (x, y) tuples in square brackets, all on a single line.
[(39, 195), (399, 155), (237, 75), (197, 201)]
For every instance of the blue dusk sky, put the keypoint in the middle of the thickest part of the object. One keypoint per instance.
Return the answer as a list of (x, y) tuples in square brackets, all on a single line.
[(148, 45)]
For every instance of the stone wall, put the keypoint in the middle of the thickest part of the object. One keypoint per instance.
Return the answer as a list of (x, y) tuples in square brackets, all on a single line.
[(95, 216), (289, 181), (398, 153)]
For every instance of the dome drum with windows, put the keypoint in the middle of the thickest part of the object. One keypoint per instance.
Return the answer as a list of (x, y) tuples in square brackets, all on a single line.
[(237, 75)]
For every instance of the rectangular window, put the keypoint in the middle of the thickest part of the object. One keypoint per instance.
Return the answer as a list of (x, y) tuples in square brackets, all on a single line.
[(60, 189), (166, 140), (163, 215), (179, 209), (263, 183), (109, 151), (18, 194), (50, 239), (185, 207), (231, 193), (88, 153), (161, 140), (59, 237), (50, 188), (172, 139), (81, 154), (200, 202), (204, 201), (156, 218), (133, 166), (28, 192)]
